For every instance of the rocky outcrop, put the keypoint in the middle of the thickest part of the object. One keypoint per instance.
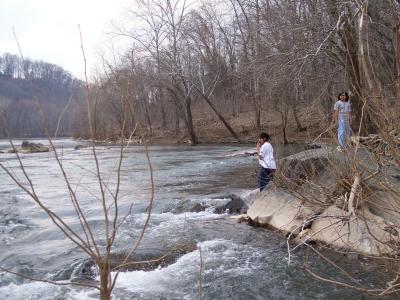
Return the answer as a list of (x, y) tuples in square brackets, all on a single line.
[(198, 207), (79, 147), (244, 153), (385, 204), (234, 206), (281, 210), (150, 259), (366, 234), (142, 260), (383, 198), (28, 147), (310, 198)]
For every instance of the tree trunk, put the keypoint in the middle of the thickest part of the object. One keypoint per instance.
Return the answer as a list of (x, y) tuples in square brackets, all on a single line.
[(176, 121), (256, 99), (284, 116), (189, 124), (105, 292), (186, 111), (356, 104), (397, 55), (220, 117), (95, 118), (258, 118), (348, 36), (163, 113), (294, 110), (146, 108)]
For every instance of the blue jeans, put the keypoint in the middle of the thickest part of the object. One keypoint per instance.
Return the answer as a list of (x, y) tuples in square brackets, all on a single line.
[(344, 133), (264, 177)]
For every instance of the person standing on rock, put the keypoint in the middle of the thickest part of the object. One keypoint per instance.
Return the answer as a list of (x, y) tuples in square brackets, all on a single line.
[(342, 119), (265, 154)]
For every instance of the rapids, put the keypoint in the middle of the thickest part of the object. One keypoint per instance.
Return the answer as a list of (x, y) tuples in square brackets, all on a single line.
[(238, 261)]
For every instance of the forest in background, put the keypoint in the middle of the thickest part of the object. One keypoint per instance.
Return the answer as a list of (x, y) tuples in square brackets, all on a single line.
[(36, 97), (193, 63), (220, 60)]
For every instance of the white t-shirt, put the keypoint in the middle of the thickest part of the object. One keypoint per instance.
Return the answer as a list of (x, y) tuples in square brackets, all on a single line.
[(267, 159), (344, 109)]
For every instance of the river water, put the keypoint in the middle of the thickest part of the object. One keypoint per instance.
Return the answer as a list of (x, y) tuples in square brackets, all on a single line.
[(238, 261)]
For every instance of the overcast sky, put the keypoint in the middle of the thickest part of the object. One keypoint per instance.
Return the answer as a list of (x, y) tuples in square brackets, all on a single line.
[(48, 30)]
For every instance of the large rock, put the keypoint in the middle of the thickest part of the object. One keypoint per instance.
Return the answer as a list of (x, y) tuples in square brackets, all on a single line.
[(151, 259), (385, 204), (367, 234), (311, 163), (79, 147), (235, 206), (281, 210), (142, 260), (322, 179), (383, 196), (321, 175), (387, 179), (198, 207), (28, 147)]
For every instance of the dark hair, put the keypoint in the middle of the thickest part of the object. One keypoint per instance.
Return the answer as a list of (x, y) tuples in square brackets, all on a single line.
[(264, 135), (343, 93)]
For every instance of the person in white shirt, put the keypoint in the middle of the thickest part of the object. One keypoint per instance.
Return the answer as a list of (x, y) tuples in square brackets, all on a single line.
[(265, 154), (342, 119)]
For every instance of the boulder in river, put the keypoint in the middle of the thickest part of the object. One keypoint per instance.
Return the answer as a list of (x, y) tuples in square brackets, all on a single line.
[(281, 210), (368, 235), (28, 147), (198, 207), (145, 259), (235, 206), (312, 190), (79, 147)]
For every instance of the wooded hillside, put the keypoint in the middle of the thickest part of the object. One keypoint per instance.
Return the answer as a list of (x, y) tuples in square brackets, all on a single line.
[(33, 97)]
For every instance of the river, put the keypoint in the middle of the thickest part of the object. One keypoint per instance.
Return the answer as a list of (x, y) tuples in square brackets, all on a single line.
[(238, 261)]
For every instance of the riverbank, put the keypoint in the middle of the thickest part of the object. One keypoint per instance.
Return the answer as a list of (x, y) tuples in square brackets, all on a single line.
[(210, 130)]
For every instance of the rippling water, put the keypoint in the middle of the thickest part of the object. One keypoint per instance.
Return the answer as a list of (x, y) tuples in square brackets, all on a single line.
[(239, 261)]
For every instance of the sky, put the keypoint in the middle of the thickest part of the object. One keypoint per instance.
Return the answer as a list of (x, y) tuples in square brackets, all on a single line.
[(48, 30)]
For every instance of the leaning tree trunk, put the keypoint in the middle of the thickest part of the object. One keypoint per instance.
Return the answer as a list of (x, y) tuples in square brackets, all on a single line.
[(220, 117)]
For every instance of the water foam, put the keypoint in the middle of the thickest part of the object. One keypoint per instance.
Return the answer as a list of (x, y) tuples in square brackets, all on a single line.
[(181, 279), (32, 290)]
